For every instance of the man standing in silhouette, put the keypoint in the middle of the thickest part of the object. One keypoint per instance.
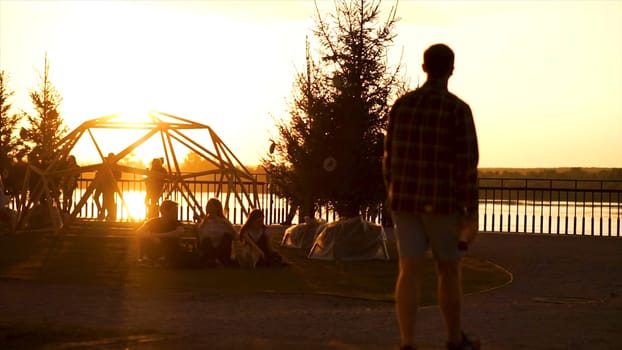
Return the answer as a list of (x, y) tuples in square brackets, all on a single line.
[(106, 179), (430, 173), (154, 183)]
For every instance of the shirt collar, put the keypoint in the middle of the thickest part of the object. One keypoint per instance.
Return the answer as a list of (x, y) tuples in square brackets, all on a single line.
[(435, 84)]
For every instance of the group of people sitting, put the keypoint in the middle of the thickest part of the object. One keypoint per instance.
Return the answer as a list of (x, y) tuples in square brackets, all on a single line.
[(161, 239)]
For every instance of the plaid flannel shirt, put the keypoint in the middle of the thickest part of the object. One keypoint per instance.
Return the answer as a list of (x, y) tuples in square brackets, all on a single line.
[(431, 154)]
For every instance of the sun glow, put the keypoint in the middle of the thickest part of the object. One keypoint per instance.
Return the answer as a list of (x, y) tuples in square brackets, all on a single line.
[(231, 65), (133, 206), (135, 114)]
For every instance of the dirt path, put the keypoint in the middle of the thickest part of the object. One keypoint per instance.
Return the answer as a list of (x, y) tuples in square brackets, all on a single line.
[(512, 317)]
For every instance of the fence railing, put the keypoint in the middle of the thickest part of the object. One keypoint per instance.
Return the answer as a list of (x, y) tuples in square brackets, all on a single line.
[(550, 206), (132, 208)]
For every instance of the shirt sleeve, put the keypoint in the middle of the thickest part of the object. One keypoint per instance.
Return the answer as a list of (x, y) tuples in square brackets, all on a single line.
[(467, 158)]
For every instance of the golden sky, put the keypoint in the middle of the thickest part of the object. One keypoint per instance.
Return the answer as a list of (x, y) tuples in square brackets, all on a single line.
[(543, 78)]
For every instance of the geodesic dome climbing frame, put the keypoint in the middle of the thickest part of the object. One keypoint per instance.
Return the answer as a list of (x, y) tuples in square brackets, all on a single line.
[(170, 133)]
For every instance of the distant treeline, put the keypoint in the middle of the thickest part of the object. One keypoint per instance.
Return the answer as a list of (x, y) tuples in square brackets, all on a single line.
[(554, 184), (595, 174)]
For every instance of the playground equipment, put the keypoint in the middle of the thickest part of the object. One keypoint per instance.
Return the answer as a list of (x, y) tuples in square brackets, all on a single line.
[(173, 134)]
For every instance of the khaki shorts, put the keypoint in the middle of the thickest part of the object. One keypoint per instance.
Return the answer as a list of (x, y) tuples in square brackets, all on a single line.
[(416, 232)]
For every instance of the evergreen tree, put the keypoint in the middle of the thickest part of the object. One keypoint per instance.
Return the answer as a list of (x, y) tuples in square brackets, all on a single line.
[(297, 154), (47, 127), (11, 147), (330, 151)]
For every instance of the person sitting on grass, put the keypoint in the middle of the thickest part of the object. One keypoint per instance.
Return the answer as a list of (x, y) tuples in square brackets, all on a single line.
[(216, 234), (159, 237), (255, 235)]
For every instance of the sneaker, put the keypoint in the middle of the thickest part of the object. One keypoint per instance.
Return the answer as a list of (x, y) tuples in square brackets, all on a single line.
[(467, 343)]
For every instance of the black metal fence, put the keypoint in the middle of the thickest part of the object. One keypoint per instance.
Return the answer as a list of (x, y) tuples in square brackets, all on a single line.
[(132, 208), (551, 206)]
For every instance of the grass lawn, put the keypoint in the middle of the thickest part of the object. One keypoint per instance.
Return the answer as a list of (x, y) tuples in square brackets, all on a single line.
[(96, 257), (94, 254)]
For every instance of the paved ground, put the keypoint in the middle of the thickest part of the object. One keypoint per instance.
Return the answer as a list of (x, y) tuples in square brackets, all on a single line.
[(566, 294), (582, 274)]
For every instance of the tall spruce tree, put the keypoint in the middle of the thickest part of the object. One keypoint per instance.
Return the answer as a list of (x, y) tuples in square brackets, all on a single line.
[(330, 151), (299, 150), (47, 127), (11, 147)]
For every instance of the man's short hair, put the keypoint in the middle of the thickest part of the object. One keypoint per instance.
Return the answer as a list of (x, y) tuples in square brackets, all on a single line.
[(167, 204), (438, 60)]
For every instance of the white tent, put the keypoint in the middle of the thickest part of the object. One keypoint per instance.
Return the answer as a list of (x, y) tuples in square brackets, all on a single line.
[(302, 235), (350, 239)]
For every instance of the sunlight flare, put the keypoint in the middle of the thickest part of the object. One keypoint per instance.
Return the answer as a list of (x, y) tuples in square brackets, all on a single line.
[(135, 201)]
